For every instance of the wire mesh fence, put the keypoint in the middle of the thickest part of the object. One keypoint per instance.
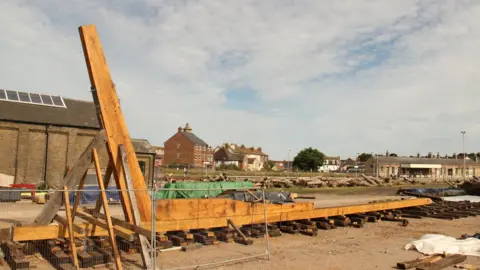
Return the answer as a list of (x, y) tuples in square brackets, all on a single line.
[(103, 232)]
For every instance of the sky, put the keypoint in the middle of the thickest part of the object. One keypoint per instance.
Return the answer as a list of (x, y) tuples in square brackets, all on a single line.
[(344, 77)]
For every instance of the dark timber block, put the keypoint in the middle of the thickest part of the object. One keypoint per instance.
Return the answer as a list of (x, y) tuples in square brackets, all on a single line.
[(85, 260)]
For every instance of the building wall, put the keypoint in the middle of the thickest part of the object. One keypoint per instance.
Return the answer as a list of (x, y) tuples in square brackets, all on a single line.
[(178, 155), (454, 171), (41, 153)]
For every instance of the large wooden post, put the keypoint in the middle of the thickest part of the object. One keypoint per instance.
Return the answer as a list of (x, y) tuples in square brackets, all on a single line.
[(113, 122)]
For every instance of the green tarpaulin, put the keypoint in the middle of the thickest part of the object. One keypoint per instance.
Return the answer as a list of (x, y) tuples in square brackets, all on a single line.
[(206, 192)]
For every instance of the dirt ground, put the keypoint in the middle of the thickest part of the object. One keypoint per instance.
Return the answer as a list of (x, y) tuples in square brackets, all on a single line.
[(376, 246)]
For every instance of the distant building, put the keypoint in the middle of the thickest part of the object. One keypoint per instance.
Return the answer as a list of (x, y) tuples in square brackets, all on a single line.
[(282, 165), (330, 164), (42, 137), (185, 148), (159, 153), (245, 158), (421, 167)]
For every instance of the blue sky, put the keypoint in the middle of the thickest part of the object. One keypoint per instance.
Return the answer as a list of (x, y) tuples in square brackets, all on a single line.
[(341, 76)]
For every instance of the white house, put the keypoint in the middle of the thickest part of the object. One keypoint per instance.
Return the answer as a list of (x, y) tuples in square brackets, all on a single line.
[(330, 164)]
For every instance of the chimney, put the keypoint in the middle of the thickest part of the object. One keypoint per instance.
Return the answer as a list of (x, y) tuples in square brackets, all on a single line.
[(187, 128), (179, 129)]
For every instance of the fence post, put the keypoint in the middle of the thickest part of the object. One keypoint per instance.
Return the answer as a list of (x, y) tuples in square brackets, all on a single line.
[(153, 243), (267, 236)]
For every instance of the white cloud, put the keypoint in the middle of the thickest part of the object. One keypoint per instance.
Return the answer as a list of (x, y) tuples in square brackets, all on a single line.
[(342, 76)]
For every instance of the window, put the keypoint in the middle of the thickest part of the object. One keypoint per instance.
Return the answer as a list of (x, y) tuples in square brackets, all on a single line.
[(142, 165), (178, 155), (178, 146)]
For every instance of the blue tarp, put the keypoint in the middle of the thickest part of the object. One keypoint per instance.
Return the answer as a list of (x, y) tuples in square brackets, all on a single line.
[(90, 195)]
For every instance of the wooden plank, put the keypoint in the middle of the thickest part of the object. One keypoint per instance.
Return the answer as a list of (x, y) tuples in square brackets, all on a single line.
[(147, 261), (78, 196), (112, 118), (106, 182), (103, 195), (43, 232), (121, 232), (53, 231), (71, 180), (443, 263), (121, 223), (64, 222), (71, 236)]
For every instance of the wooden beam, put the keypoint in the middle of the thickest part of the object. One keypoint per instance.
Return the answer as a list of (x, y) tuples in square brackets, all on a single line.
[(31, 233), (120, 231), (71, 180), (64, 222), (103, 195), (106, 182), (78, 195), (122, 223), (147, 261), (112, 118), (71, 236), (215, 215)]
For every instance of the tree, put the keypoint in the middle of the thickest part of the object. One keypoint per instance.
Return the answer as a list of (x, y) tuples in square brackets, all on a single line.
[(271, 164), (309, 159), (393, 155), (472, 156), (363, 157)]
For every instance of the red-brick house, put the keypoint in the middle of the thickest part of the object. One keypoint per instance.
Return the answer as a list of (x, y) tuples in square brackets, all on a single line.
[(185, 148)]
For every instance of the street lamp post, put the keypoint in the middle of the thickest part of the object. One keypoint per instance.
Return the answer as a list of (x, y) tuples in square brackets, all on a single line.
[(288, 163), (464, 156)]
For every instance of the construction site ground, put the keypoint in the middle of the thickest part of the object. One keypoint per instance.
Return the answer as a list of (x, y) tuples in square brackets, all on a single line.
[(375, 246)]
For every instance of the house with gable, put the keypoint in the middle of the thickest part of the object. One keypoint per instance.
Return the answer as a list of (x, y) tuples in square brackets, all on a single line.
[(187, 149), (245, 158)]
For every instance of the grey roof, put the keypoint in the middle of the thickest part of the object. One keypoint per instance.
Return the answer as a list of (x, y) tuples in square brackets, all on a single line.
[(78, 113), (409, 160), (143, 146), (194, 139)]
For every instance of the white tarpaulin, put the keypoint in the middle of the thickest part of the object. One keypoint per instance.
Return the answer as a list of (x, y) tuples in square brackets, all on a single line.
[(438, 244), (469, 198)]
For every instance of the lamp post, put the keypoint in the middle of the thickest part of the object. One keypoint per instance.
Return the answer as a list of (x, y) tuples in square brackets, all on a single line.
[(464, 156), (288, 162)]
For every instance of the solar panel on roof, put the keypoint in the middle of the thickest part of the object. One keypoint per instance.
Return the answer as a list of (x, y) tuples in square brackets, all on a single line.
[(57, 100), (47, 99), (35, 98), (12, 95), (32, 98), (24, 96)]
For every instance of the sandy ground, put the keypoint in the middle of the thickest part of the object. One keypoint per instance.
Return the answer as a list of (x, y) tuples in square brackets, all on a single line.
[(376, 246)]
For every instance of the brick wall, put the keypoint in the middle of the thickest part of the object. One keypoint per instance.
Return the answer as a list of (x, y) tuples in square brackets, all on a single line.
[(29, 151), (186, 150)]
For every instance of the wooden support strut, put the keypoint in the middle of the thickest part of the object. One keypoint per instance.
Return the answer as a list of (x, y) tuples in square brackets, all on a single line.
[(71, 180), (103, 195), (73, 248), (147, 262)]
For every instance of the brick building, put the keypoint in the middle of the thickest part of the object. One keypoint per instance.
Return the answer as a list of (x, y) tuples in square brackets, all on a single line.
[(185, 148), (41, 136)]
